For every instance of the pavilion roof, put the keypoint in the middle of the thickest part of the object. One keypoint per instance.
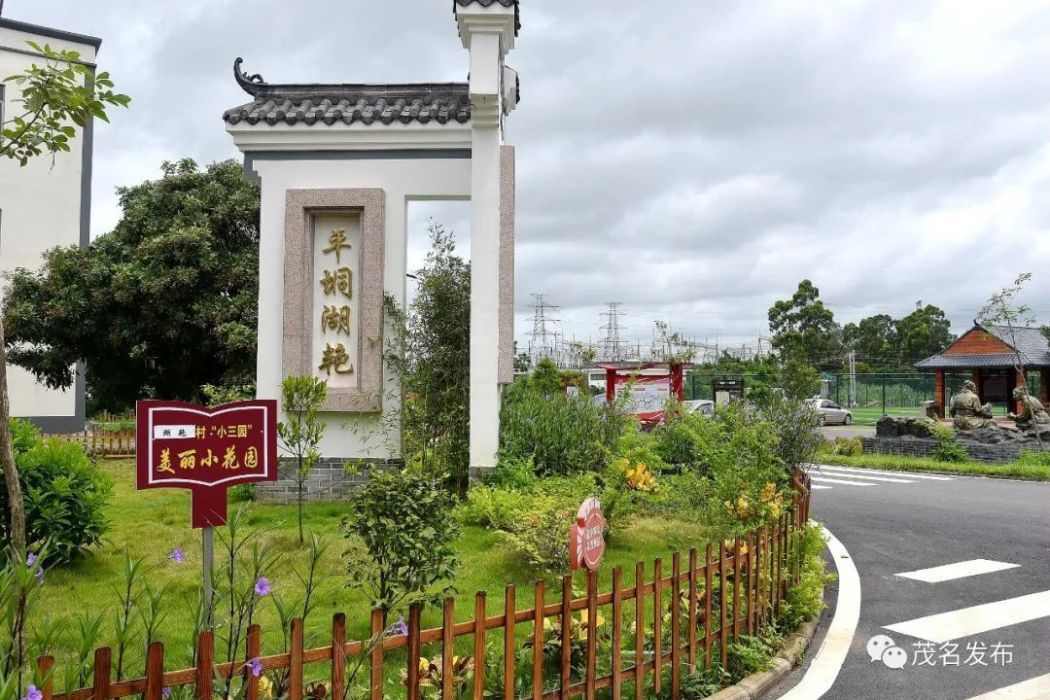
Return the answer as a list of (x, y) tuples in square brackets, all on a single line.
[(1032, 345), (348, 103)]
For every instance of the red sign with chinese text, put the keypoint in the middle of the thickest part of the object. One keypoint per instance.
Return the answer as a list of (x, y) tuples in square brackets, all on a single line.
[(205, 450), (587, 536)]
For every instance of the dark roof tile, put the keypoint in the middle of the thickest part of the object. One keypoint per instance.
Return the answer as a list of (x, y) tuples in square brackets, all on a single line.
[(349, 103), (485, 3)]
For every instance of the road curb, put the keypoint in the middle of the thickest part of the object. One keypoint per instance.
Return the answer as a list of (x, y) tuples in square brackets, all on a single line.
[(756, 685)]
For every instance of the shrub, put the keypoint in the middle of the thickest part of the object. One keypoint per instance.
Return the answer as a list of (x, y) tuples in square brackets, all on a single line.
[(805, 599), (561, 435), (64, 497), (401, 534), (24, 435), (797, 428), (300, 435), (540, 540), (752, 654), (847, 447), (1034, 459), (948, 447), (494, 508), (678, 441)]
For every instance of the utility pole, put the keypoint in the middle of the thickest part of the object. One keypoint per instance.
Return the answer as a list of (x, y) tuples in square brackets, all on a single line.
[(852, 357), (611, 344), (542, 339)]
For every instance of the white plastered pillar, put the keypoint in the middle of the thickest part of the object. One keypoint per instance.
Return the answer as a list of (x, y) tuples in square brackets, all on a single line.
[(488, 32)]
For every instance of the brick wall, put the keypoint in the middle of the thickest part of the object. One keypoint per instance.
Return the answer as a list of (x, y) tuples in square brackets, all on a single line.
[(922, 447), (328, 480)]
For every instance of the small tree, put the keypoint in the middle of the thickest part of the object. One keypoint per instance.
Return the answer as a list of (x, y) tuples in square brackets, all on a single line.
[(401, 535), (1005, 311), (301, 397)]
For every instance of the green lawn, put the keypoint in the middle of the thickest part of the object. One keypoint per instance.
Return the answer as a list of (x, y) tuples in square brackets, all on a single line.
[(1012, 470), (150, 523), (870, 415)]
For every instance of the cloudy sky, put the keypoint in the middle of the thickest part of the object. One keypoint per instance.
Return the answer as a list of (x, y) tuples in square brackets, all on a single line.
[(691, 160)]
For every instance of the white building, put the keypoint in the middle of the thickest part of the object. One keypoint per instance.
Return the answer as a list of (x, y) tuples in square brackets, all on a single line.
[(338, 165), (42, 205)]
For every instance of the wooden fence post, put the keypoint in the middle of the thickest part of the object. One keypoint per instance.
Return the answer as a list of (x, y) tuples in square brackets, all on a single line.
[(448, 623), (723, 602), (752, 553), (592, 633), (736, 589), (691, 635), (479, 646), (43, 666), (539, 600), (295, 661), (376, 663), (414, 611), (676, 625), (708, 594), (508, 642), (639, 631), (338, 675), (566, 636), (617, 640), (154, 671), (658, 626), (100, 677), (204, 673), (253, 644)]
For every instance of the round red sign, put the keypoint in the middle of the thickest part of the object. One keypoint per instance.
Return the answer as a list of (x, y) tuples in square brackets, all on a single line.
[(587, 536)]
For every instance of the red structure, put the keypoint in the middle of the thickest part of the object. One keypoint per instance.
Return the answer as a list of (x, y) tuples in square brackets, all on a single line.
[(989, 355), (649, 386)]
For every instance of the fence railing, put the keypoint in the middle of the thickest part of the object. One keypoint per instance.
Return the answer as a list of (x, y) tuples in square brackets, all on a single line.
[(681, 620), (113, 444)]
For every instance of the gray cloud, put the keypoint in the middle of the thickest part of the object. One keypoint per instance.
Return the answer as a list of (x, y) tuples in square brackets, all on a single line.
[(692, 160)]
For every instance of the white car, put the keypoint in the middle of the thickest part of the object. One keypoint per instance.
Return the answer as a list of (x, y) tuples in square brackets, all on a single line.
[(833, 413), (702, 406)]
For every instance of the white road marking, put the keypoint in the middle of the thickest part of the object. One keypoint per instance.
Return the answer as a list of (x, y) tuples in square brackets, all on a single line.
[(1037, 688), (827, 662), (824, 479), (818, 486), (869, 477), (962, 569), (945, 627), (910, 475)]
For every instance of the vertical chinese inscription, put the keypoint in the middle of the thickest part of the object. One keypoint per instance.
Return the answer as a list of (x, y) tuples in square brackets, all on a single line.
[(335, 319)]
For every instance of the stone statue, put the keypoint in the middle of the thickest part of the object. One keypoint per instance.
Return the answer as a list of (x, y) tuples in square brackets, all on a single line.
[(966, 409), (1032, 416)]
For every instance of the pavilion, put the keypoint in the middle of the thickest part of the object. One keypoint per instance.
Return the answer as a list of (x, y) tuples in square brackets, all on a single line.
[(990, 354)]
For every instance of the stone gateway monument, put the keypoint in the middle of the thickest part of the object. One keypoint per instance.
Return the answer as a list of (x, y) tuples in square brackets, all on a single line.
[(338, 165)]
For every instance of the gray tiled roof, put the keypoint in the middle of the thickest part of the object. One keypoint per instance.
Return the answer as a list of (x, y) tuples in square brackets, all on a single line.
[(1032, 344), (485, 3), (349, 103)]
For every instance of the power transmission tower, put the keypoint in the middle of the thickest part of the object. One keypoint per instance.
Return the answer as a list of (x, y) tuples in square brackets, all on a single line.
[(543, 338), (612, 347)]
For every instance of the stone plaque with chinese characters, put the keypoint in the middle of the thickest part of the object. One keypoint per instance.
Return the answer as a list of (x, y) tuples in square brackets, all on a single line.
[(336, 332)]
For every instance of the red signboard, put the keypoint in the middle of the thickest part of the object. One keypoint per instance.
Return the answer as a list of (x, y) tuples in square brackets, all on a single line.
[(587, 536), (205, 450)]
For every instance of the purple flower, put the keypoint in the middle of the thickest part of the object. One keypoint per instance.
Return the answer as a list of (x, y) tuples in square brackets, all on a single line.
[(255, 666), (262, 586), (31, 559), (39, 576), (166, 692), (399, 628), (177, 556), (33, 693)]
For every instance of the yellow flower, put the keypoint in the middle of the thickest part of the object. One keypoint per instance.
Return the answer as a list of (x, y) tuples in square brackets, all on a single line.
[(265, 687)]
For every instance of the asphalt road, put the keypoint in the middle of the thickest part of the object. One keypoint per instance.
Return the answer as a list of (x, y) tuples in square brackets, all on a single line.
[(891, 528)]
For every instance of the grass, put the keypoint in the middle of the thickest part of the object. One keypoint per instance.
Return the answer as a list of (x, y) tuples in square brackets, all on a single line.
[(1013, 470), (870, 415), (150, 523)]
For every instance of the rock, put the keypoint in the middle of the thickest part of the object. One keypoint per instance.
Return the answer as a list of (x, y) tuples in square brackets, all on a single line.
[(896, 426)]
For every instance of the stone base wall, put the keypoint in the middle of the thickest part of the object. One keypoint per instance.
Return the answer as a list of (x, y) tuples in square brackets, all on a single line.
[(921, 447), (327, 481)]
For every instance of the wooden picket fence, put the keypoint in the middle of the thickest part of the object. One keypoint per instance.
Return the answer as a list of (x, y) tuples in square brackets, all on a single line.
[(108, 444), (753, 575)]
